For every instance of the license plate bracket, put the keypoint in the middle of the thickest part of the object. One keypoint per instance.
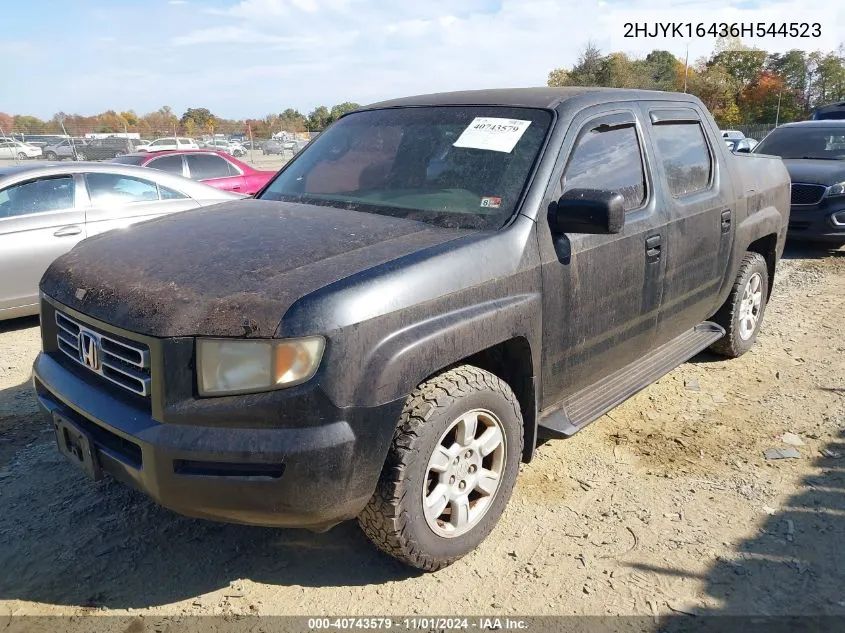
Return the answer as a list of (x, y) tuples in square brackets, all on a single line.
[(76, 445)]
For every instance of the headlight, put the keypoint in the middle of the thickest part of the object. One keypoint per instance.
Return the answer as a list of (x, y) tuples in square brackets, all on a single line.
[(836, 190), (230, 366)]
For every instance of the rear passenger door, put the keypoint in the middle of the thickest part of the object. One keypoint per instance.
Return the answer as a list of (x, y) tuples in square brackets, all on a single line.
[(117, 201), (601, 293), (214, 170), (39, 220), (697, 194)]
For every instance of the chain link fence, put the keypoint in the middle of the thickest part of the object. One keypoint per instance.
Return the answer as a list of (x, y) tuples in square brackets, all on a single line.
[(54, 141), (757, 131)]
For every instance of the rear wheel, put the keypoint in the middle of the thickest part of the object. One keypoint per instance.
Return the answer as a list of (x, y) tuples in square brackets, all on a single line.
[(742, 313), (450, 470), (21, 156)]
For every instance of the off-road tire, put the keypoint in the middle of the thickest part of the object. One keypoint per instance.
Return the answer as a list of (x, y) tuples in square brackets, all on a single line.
[(393, 519), (732, 345)]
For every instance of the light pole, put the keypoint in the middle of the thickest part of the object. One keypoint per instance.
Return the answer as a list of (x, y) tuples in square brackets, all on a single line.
[(777, 112)]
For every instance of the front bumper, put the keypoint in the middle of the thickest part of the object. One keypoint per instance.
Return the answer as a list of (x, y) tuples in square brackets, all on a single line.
[(825, 223), (312, 474)]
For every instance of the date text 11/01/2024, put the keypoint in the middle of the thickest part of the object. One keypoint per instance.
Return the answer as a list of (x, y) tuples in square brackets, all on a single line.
[(421, 623), (723, 29)]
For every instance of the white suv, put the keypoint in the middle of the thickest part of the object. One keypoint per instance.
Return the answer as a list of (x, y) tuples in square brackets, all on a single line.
[(170, 143)]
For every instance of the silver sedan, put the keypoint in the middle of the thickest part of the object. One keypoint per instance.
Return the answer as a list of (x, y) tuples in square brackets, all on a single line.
[(46, 209)]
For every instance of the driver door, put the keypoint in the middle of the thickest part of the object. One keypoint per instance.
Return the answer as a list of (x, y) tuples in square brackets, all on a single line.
[(601, 293)]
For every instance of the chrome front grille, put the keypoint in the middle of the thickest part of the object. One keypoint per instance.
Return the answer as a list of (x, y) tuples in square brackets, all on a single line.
[(124, 364)]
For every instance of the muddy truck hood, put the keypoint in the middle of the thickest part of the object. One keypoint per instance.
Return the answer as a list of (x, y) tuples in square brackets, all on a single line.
[(228, 270)]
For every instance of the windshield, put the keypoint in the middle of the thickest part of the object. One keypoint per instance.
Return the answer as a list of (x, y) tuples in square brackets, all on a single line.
[(805, 142), (455, 167)]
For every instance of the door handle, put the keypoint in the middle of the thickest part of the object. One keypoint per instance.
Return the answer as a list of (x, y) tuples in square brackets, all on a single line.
[(652, 248), (236, 187), (67, 231), (726, 221)]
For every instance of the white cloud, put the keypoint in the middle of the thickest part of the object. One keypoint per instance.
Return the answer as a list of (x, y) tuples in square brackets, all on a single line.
[(303, 53), (240, 35), (408, 46)]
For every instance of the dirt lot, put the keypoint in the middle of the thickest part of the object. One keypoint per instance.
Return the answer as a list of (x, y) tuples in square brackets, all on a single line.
[(666, 505)]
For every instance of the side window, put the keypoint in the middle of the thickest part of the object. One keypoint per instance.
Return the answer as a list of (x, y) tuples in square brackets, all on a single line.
[(608, 158), (205, 166), (170, 194), (685, 155), (185, 141), (37, 196), (170, 164), (106, 189)]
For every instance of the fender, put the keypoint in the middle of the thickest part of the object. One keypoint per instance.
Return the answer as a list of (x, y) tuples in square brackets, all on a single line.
[(767, 221), (406, 357)]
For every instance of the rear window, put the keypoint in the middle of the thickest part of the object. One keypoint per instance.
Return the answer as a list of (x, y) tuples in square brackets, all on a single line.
[(452, 166)]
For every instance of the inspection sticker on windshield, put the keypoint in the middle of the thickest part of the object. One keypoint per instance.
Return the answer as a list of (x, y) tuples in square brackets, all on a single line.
[(497, 135), (492, 202)]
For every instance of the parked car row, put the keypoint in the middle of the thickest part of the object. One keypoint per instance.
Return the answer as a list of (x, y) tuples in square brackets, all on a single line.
[(737, 141), (213, 167)]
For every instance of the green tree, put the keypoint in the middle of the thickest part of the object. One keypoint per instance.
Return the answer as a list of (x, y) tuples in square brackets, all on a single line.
[(340, 109), (319, 118), (27, 123), (662, 68), (291, 120), (202, 117), (559, 77), (828, 80), (130, 117), (793, 68), (715, 87)]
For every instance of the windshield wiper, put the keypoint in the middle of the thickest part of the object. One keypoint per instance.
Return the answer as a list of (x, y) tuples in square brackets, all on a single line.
[(820, 158)]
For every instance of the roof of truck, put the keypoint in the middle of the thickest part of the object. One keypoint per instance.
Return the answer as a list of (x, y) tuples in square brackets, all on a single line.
[(526, 97)]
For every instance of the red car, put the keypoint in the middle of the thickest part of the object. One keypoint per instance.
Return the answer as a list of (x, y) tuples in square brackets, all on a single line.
[(215, 168)]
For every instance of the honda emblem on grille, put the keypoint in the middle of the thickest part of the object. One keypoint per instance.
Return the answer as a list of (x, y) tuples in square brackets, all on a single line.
[(89, 350)]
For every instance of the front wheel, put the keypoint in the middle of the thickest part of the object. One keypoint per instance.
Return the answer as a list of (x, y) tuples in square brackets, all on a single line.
[(51, 156), (742, 313), (21, 156), (450, 470)]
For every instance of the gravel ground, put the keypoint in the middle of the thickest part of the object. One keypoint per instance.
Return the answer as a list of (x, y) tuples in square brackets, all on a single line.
[(666, 505)]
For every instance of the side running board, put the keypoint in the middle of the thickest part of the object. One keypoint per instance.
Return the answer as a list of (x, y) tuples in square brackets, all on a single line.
[(578, 410)]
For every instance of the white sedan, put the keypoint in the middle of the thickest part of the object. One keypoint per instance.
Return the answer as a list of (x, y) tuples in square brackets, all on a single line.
[(10, 148)]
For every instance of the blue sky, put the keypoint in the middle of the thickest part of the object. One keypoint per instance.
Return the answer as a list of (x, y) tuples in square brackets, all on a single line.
[(246, 58)]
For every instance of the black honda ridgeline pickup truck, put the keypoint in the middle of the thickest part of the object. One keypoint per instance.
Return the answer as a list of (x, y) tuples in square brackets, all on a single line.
[(429, 286)]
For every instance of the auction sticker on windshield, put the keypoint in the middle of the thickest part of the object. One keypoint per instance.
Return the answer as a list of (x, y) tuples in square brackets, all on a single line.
[(497, 135)]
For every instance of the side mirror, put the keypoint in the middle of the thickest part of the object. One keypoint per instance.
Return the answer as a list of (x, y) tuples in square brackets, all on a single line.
[(591, 211), (743, 150)]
